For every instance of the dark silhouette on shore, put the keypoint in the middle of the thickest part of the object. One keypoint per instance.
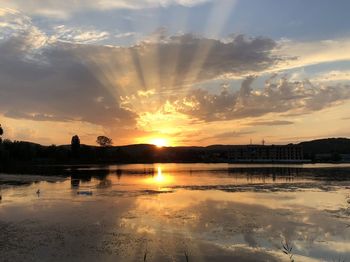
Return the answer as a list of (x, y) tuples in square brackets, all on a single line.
[(104, 141), (15, 154), (1, 133), (75, 146)]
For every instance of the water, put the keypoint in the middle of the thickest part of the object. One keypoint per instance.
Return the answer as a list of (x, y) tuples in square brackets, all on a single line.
[(167, 212)]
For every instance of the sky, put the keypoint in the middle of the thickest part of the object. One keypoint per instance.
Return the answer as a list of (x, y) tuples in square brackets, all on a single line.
[(175, 72)]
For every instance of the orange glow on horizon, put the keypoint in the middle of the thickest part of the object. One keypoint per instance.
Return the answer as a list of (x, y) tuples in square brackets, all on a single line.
[(160, 142)]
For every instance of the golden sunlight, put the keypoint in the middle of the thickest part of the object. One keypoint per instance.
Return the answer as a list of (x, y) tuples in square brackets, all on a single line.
[(159, 178), (160, 142)]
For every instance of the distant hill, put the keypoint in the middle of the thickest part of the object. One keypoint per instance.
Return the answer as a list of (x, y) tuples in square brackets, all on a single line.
[(11, 153), (326, 146)]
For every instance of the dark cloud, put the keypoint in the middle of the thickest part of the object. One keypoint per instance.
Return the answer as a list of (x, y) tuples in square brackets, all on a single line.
[(279, 95), (44, 80), (56, 85), (271, 123), (188, 59), (34, 117), (168, 63), (227, 135)]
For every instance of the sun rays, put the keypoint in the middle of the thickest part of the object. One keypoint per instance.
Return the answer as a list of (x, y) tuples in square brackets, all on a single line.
[(159, 72), (142, 78)]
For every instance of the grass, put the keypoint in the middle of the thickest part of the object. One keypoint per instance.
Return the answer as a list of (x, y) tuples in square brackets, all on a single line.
[(145, 256), (186, 256), (287, 249)]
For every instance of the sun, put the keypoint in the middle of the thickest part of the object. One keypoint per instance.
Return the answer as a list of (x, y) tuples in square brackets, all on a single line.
[(159, 142)]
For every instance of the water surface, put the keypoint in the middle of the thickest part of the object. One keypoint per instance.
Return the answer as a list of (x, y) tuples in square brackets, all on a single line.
[(167, 212)]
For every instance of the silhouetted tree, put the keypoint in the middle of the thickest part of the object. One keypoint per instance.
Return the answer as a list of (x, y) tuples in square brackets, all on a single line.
[(1, 133), (75, 145), (104, 141)]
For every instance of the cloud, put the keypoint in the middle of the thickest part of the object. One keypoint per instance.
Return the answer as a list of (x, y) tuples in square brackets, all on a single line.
[(312, 52), (168, 62), (34, 116), (333, 76), (279, 95), (45, 79), (114, 85), (56, 78), (126, 35), (271, 123), (227, 135), (78, 35), (64, 9), (61, 89), (13, 24)]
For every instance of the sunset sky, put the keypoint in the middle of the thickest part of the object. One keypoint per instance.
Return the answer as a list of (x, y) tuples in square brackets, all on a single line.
[(178, 72)]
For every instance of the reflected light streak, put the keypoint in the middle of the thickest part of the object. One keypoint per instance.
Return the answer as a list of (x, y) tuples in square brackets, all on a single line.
[(160, 178)]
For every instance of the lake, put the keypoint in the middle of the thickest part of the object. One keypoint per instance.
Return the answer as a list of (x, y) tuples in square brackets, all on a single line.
[(177, 212)]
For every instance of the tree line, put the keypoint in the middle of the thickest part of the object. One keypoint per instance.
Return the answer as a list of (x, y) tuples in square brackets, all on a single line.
[(13, 152)]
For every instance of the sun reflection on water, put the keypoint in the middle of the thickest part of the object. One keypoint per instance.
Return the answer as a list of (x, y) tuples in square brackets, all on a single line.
[(160, 178)]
